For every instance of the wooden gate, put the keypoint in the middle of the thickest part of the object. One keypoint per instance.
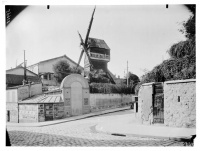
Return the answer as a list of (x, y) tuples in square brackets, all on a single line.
[(158, 103)]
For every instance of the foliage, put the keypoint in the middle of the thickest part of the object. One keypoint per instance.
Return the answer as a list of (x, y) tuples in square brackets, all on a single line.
[(189, 28), (133, 79), (62, 69), (76, 70), (108, 88), (183, 49), (98, 76)]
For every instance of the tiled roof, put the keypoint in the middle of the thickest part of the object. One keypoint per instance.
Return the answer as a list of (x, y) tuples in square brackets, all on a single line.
[(43, 99), (93, 42)]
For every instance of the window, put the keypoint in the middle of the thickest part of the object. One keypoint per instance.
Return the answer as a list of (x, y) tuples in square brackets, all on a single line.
[(45, 76)]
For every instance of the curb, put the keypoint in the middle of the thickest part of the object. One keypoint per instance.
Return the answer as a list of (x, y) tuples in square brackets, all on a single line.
[(47, 123), (189, 139)]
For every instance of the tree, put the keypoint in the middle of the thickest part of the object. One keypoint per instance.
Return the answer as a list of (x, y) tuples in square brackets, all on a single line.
[(76, 70), (133, 78), (189, 27), (62, 69)]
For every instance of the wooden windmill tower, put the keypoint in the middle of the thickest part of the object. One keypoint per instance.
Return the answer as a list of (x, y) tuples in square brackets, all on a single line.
[(97, 54)]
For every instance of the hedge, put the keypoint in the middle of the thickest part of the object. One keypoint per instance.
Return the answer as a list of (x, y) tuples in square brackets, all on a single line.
[(108, 88)]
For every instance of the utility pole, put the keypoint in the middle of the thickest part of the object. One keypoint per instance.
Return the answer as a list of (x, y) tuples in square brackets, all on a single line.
[(127, 74), (24, 68)]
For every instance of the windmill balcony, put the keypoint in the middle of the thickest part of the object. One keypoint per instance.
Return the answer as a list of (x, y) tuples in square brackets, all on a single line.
[(98, 56)]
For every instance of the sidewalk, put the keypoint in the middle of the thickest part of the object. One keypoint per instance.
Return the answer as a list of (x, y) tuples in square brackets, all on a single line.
[(46, 123), (128, 125)]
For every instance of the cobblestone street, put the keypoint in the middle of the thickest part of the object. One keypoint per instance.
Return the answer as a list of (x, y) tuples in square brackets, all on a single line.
[(80, 133)]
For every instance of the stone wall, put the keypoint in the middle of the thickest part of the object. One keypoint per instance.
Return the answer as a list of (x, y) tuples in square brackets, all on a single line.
[(180, 103), (145, 103), (28, 113)]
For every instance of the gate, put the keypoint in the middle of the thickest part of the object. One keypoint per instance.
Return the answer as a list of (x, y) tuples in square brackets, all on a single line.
[(158, 103)]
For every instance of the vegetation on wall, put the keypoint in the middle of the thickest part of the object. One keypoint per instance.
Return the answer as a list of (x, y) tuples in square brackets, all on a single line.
[(100, 84), (108, 88), (182, 62)]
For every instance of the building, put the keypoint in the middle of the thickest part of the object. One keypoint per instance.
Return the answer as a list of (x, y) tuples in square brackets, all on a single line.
[(15, 76), (44, 69), (99, 54)]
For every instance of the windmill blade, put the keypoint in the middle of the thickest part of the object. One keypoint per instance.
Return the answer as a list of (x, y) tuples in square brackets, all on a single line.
[(89, 28), (81, 55), (81, 39), (85, 49)]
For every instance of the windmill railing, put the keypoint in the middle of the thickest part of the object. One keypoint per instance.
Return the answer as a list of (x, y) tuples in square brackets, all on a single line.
[(99, 56)]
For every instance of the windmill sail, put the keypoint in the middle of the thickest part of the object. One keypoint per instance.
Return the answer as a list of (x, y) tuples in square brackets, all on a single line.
[(89, 28)]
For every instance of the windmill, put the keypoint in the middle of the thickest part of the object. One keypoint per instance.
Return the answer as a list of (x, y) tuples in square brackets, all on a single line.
[(97, 53)]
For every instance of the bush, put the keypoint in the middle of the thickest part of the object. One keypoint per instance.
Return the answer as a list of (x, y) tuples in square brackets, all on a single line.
[(108, 88), (181, 65)]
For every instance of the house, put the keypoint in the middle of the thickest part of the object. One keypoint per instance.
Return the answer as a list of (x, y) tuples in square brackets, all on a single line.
[(15, 76), (44, 69)]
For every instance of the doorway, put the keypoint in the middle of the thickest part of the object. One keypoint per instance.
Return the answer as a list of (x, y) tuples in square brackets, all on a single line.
[(48, 109), (8, 116), (158, 103)]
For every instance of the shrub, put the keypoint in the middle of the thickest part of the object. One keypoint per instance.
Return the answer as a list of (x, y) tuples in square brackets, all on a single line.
[(108, 88)]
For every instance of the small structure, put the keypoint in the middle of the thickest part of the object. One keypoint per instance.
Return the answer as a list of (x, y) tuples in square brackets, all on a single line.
[(41, 108), (75, 93)]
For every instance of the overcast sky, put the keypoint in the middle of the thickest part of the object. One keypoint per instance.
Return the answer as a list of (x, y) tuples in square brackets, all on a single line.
[(140, 35)]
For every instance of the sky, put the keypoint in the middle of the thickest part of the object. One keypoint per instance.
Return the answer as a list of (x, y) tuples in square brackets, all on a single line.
[(139, 34)]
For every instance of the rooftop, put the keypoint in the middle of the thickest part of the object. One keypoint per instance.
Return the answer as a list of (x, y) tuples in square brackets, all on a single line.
[(99, 43), (43, 99), (64, 56)]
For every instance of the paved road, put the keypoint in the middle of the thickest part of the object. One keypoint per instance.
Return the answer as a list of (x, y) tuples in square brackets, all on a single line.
[(80, 133)]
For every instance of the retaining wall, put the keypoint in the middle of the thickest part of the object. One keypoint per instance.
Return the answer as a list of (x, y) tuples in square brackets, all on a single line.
[(108, 101)]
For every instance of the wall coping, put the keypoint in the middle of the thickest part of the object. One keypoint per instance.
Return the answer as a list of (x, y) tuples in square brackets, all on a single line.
[(145, 84), (66, 82), (180, 81), (19, 86)]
